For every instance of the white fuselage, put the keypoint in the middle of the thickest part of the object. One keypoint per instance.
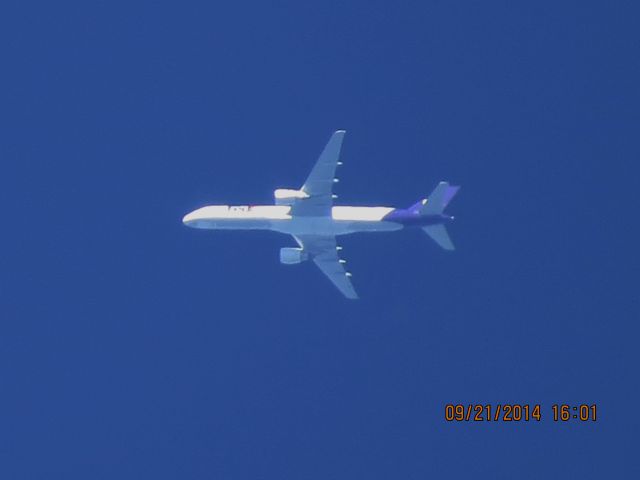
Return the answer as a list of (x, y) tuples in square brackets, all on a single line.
[(343, 220)]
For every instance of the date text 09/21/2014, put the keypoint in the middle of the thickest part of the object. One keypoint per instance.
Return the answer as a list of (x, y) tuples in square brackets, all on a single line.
[(515, 412)]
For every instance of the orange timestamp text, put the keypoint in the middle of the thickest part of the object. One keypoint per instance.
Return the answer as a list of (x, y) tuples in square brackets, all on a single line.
[(517, 412)]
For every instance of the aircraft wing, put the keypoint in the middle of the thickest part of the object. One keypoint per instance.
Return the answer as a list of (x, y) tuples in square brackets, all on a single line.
[(319, 183), (322, 249)]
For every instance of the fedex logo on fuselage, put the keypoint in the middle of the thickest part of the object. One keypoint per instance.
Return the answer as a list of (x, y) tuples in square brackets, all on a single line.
[(239, 208)]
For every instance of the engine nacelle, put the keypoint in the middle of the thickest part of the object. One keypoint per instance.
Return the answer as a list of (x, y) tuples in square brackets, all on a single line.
[(291, 256), (286, 196)]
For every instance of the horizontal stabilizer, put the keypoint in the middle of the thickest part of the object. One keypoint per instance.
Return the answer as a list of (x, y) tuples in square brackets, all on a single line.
[(439, 199), (440, 236)]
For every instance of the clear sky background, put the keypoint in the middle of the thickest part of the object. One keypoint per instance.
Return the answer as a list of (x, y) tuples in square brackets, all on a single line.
[(133, 347)]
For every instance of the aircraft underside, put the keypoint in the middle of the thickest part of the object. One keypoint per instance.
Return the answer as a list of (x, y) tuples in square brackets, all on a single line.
[(299, 226), (310, 216)]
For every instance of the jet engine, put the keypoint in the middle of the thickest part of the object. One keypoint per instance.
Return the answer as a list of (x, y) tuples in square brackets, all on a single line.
[(286, 196), (291, 256)]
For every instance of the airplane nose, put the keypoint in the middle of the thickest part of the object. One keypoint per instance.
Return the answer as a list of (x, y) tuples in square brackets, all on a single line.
[(187, 218)]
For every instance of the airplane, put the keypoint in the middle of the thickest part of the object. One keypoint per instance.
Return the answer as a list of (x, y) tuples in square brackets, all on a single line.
[(310, 216)]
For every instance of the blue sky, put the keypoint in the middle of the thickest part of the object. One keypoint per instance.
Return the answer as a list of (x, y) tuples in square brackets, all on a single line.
[(133, 347)]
